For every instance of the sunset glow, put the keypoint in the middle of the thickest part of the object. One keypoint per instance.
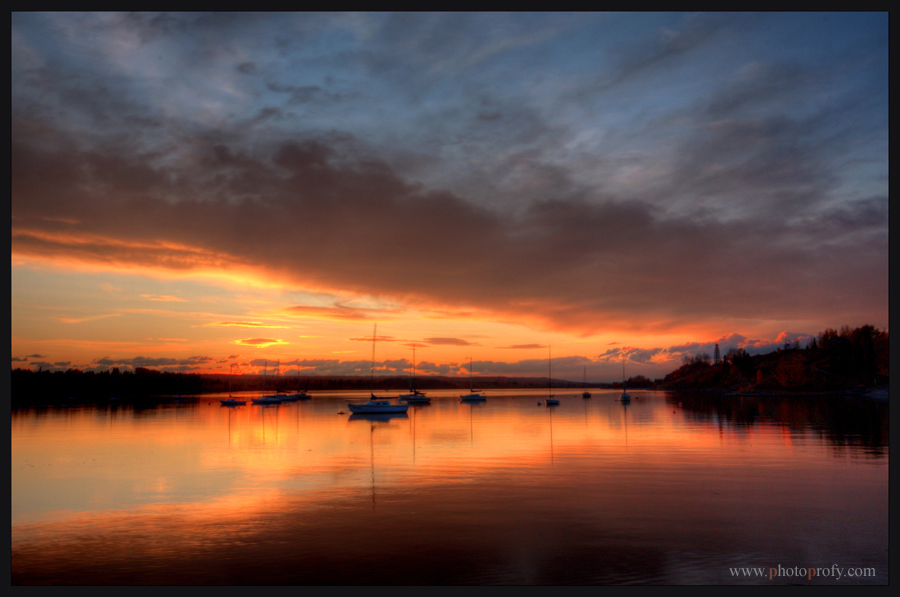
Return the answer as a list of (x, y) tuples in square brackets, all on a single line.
[(192, 191)]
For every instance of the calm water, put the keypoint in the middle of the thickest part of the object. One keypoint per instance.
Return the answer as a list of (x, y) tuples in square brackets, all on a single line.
[(505, 492)]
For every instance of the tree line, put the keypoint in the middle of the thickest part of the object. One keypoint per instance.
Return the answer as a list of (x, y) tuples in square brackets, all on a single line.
[(834, 360)]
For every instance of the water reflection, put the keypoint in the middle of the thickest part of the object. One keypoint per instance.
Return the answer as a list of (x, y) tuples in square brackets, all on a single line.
[(843, 421), (664, 490)]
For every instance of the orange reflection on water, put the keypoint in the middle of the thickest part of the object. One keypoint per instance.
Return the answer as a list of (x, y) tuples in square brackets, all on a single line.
[(198, 491)]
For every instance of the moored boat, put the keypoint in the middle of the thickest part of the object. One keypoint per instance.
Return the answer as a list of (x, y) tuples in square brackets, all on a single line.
[(414, 396), (376, 404), (472, 396)]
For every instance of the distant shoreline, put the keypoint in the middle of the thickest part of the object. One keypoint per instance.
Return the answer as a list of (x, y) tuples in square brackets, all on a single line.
[(46, 388)]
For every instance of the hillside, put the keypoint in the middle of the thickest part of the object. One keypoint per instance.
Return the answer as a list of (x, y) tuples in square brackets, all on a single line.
[(834, 361)]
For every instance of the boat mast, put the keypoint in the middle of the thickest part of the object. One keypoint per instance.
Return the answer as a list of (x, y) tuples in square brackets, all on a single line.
[(414, 367), (372, 368)]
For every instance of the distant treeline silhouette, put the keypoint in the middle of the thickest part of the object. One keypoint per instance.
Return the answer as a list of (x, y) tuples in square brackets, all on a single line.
[(142, 384), (832, 361)]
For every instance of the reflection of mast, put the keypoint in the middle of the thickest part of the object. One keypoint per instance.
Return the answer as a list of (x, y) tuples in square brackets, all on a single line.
[(550, 410), (372, 455), (373, 419), (625, 419), (471, 426), (264, 409)]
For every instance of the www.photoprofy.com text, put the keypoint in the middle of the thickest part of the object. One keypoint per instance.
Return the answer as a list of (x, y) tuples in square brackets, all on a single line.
[(780, 572)]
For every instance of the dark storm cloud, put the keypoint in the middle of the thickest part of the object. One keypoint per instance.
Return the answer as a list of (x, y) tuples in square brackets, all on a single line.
[(360, 226), (489, 188)]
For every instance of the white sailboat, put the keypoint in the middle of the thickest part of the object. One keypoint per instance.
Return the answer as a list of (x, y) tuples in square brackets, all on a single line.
[(376, 405), (231, 401), (299, 394), (551, 401), (472, 396), (264, 399), (624, 397), (414, 396)]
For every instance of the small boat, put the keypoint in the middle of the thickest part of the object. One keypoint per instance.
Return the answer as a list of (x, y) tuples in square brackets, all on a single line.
[(585, 394), (551, 401), (299, 394), (231, 401), (375, 404), (472, 396), (271, 398), (414, 396), (624, 397)]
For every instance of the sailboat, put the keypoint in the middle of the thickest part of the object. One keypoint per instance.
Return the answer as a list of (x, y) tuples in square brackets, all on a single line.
[(415, 396), (624, 397), (300, 394), (376, 405), (551, 401), (231, 401), (472, 396), (271, 398), (585, 393)]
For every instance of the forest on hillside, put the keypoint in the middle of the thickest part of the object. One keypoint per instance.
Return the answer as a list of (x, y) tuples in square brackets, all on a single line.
[(848, 359)]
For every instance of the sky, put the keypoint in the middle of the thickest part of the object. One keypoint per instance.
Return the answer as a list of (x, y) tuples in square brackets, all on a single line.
[(609, 192)]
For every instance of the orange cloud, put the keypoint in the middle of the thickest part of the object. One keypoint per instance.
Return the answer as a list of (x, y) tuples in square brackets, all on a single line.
[(163, 298), (246, 324), (260, 342)]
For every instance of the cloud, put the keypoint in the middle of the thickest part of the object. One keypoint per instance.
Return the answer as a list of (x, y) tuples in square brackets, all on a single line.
[(163, 298), (519, 268), (523, 346), (245, 324), (188, 364), (335, 312), (260, 342), (668, 172), (449, 342)]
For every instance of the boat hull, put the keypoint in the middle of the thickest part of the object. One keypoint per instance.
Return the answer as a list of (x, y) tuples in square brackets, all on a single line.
[(473, 398), (375, 407), (267, 400)]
